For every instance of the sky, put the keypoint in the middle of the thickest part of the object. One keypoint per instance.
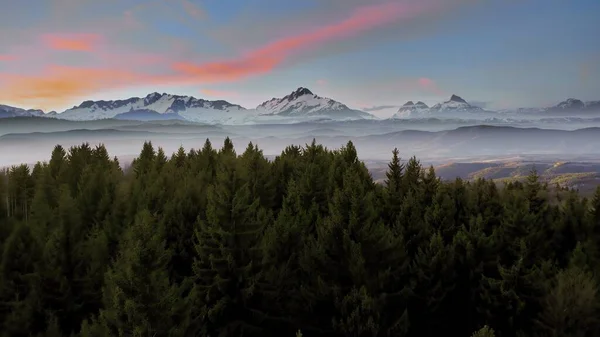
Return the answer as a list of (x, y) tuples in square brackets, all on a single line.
[(369, 54)]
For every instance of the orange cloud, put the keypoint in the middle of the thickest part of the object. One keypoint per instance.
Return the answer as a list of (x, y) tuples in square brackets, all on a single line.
[(72, 42), (218, 93), (227, 70), (58, 85)]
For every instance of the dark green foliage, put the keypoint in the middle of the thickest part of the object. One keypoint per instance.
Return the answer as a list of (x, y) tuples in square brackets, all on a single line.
[(214, 242)]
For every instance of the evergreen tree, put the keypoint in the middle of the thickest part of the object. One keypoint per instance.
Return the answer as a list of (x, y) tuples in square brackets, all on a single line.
[(227, 247), (209, 243), (394, 189), (571, 306), (138, 298), (21, 312)]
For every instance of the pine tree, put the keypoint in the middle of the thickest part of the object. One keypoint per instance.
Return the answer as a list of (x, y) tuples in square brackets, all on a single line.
[(394, 191), (58, 163), (571, 306), (43, 204), (432, 279), (281, 247), (356, 251), (20, 310), (227, 255), (138, 297), (143, 164)]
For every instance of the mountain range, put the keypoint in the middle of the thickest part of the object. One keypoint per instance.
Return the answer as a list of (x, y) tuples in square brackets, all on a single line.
[(300, 105)]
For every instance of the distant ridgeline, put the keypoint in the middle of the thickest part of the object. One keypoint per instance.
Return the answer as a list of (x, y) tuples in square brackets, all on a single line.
[(210, 242)]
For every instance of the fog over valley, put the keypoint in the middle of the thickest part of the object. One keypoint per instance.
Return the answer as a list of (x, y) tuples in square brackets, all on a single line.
[(450, 132)]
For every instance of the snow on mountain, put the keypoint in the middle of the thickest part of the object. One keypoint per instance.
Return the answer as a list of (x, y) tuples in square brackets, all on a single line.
[(9, 111), (455, 103), (303, 102), (456, 107), (571, 103), (573, 106), (410, 109), (187, 107)]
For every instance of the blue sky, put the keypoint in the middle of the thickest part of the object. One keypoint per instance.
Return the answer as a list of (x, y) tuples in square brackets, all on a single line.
[(364, 53)]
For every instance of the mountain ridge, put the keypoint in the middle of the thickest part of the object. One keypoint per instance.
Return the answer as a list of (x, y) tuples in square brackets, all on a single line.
[(300, 104), (302, 101)]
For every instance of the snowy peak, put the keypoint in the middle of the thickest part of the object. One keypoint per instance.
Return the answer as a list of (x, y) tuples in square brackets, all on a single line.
[(9, 111), (410, 106), (303, 102), (186, 106), (570, 104), (575, 105), (455, 103), (458, 99), (299, 92), (411, 109)]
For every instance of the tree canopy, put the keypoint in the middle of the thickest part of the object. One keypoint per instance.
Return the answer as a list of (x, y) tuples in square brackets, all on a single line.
[(219, 242)]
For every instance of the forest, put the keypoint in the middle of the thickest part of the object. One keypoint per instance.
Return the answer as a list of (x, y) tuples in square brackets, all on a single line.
[(214, 242)]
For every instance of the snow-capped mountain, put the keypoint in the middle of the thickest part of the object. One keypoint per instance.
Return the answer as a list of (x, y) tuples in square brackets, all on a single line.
[(573, 105), (455, 103), (168, 106), (301, 105), (9, 111), (455, 107), (409, 108), (303, 102)]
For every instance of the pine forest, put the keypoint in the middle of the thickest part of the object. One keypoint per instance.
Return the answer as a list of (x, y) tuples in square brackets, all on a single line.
[(218, 242)]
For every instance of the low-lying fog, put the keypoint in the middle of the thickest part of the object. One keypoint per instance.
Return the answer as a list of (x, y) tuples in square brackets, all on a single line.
[(432, 141)]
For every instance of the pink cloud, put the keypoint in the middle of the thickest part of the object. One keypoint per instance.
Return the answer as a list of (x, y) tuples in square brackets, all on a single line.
[(71, 41), (322, 82), (6, 57), (264, 59), (56, 85), (429, 85)]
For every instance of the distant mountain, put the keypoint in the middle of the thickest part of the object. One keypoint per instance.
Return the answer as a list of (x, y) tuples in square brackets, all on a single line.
[(455, 103), (299, 106), (449, 108), (303, 102), (409, 108), (573, 105), (9, 111), (186, 107)]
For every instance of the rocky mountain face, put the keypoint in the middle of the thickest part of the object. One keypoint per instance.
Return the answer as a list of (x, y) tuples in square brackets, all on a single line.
[(9, 111), (303, 102), (188, 107)]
